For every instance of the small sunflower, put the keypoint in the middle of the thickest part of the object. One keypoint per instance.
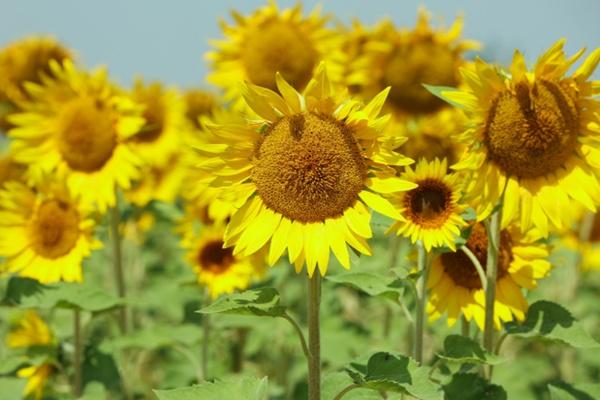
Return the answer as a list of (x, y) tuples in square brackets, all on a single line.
[(44, 233), (532, 132), (27, 60), (455, 286), (76, 126), (266, 42), (32, 331), (431, 211), (198, 103), (305, 173), (10, 170), (406, 59), (216, 267)]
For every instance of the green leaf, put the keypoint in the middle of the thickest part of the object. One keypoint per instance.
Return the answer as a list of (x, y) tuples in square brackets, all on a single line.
[(564, 391), (100, 367), (12, 388), (335, 382), (461, 349), (29, 293), (552, 321), (440, 91), (247, 388), (472, 387), (371, 283), (263, 302), (396, 373), (155, 337)]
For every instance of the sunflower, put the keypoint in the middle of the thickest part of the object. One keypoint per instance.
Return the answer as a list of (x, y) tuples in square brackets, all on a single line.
[(27, 60), (533, 134), (10, 170), (406, 59), (455, 286), (44, 233), (305, 173), (431, 211), (216, 267), (76, 127), (269, 41), (198, 103), (586, 240), (32, 331)]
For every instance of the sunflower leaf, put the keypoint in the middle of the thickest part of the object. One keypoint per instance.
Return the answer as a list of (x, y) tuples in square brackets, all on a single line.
[(551, 321), (29, 293), (395, 373), (249, 388), (564, 391), (370, 283), (461, 349), (262, 302), (470, 386)]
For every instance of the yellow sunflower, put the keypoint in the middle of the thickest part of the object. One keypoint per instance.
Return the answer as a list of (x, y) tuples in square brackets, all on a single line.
[(305, 173), (455, 286), (32, 331), (406, 59), (10, 170), (532, 133), (76, 126), (27, 60), (44, 233), (198, 103), (269, 41), (432, 211), (217, 268)]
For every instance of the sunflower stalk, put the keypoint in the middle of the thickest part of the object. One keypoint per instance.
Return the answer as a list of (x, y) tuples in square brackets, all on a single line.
[(423, 264), (118, 265), (77, 355), (491, 277), (205, 345), (314, 337)]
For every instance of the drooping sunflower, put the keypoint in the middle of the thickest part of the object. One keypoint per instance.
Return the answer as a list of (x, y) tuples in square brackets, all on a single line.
[(32, 331), (44, 233), (432, 211), (533, 134), (266, 42), (406, 59), (305, 173), (76, 126), (217, 268), (456, 289)]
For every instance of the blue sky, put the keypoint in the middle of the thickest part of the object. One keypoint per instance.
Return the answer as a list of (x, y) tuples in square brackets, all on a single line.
[(166, 40)]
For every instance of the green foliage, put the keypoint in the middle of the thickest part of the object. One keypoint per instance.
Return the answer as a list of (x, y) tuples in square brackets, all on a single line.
[(471, 386), (29, 293), (395, 373), (564, 391), (262, 302), (371, 283), (247, 388), (461, 349), (553, 322)]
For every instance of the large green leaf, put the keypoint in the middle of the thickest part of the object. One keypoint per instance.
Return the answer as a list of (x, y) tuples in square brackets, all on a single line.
[(29, 293), (564, 391), (247, 388), (472, 387), (371, 283), (552, 321), (461, 349), (263, 302), (12, 388), (396, 373)]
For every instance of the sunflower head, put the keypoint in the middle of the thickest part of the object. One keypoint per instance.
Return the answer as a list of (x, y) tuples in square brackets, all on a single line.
[(268, 41), (406, 59), (199, 103), (10, 170), (27, 60), (312, 163), (432, 210)]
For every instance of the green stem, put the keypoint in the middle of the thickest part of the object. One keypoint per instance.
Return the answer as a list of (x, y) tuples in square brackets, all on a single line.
[(477, 264), (298, 330), (205, 344), (77, 355), (118, 265), (314, 337), (491, 277), (465, 326), (346, 390), (421, 301)]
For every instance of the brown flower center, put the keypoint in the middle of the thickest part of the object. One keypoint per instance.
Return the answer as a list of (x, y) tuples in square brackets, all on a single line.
[(412, 65), (430, 204), (54, 229), (199, 103), (277, 46), (86, 134), (595, 233), (532, 131), (460, 268), (214, 258), (154, 113), (309, 168)]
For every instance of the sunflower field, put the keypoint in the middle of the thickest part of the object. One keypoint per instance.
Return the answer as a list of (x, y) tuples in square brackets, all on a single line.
[(342, 210)]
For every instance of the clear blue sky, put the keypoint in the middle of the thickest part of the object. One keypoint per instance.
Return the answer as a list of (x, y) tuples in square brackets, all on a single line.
[(166, 39)]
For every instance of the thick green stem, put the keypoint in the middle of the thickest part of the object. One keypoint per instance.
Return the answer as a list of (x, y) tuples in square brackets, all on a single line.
[(314, 337), (465, 326), (118, 265), (205, 344), (491, 277), (421, 302), (77, 355)]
